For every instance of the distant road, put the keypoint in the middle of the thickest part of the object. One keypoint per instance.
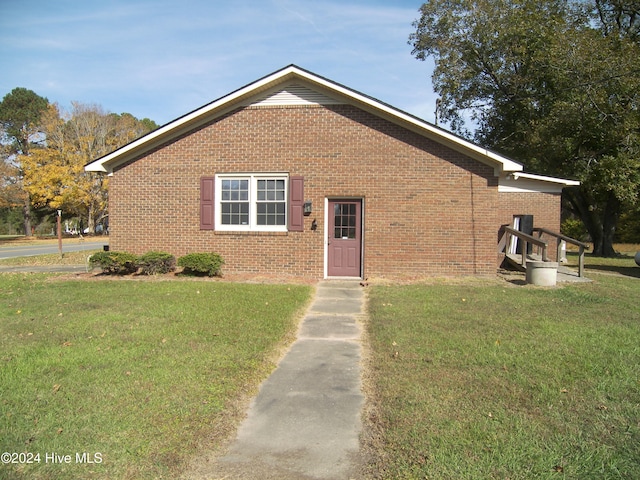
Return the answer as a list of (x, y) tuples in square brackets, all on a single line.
[(68, 245)]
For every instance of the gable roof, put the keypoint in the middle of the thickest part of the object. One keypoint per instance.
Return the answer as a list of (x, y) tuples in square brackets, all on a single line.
[(294, 85)]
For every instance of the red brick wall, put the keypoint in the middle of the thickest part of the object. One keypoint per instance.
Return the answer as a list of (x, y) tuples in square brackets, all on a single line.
[(545, 208), (427, 210)]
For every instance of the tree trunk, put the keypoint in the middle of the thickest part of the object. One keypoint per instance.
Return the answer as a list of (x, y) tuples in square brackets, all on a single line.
[(91, 221), (609, 223), (601, 226), (603, 236), (26, 212)]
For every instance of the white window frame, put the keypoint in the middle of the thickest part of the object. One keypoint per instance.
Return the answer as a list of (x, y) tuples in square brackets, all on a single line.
[(253, 213)]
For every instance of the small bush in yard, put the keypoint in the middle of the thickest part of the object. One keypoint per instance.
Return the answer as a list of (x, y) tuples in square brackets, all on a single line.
[(152, 263), (202, 264), (115, 263)]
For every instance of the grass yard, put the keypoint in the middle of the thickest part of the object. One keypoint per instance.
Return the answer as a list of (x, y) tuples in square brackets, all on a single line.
[(137, 375), (68, 258), (489, 380)]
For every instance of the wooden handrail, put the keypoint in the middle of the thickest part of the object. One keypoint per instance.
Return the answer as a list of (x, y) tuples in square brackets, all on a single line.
[(525, 236), (561, 237), (573, 241), (526, 239)]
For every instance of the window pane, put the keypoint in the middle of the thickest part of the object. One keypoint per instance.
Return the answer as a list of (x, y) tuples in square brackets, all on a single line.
[(270, 205), (244, 190), (271, 190), (234, 207), (345, 220), (226, 190), (235, 213), (262, 190), (226, 214), (270, 214), (235, 190), (267, 196)]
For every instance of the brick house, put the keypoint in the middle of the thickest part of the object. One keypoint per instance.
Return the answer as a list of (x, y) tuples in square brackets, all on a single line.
[(297, 175)]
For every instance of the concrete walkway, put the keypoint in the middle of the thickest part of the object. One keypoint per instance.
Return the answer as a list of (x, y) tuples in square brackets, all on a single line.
[(566, 275), (305, 421)]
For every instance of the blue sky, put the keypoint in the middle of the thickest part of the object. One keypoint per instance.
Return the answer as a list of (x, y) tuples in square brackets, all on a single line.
[(163, 58)]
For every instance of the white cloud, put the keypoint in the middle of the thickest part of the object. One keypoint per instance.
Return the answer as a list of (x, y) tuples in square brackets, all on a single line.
[(161, 59)]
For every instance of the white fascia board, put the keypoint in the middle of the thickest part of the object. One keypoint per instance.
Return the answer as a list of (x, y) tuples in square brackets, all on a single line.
[(173, 128), (505, 164), (542, 178), (520, 182), (108, 162)]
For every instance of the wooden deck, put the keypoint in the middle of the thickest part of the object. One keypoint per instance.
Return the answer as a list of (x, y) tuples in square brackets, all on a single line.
[(565, 273), (511, 238), (515, 260)]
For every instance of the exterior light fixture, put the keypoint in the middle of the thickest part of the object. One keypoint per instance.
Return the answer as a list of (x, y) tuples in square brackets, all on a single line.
[(307, 207)]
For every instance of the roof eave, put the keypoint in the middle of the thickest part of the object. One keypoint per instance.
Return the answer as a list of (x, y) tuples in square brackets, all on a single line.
[(520, 182), (501, 164), (542, 178), (226, 103), (185, 123)]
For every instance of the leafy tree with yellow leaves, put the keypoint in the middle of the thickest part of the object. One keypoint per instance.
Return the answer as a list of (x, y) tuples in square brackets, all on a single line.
[(54, 175)]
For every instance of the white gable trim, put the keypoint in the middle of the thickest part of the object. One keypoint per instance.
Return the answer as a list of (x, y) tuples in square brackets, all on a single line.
[(502, 164), (323, 88), (521, 182)]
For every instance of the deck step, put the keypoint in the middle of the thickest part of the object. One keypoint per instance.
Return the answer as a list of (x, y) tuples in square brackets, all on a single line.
[(515, 259), (564, 273)]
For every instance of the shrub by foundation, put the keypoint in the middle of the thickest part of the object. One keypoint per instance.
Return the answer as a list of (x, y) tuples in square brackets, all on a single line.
[(152, 263), (202, 264), (115, 263)]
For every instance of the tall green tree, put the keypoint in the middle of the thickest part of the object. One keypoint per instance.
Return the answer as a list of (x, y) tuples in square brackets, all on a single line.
[(551, 83), (20, 113)]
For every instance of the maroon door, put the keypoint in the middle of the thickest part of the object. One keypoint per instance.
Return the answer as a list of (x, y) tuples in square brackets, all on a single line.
[(344, 238)]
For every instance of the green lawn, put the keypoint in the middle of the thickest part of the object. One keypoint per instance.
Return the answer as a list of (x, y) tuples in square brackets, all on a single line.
[(490, 380), (68, 258), (465, 379), (136, 374)]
